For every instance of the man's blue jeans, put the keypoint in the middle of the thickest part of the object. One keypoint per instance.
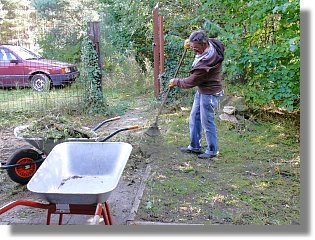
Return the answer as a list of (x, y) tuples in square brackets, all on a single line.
[(202, 118)]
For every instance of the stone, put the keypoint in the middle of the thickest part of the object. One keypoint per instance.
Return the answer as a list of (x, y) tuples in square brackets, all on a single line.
[(229, 110), (228, 117)]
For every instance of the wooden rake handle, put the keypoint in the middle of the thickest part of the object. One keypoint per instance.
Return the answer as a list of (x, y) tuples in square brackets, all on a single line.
[(175, 75)]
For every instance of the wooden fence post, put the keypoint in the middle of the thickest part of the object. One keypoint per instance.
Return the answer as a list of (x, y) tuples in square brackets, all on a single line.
[(94, 33), (158, 49), (161, 38)]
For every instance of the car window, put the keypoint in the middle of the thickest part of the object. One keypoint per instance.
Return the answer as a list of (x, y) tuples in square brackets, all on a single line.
[(10, 56), (2, 55), (5, 55), (25, 53)]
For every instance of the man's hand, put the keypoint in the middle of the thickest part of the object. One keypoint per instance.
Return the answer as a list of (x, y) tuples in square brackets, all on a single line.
[(186, 44), (170, 85)]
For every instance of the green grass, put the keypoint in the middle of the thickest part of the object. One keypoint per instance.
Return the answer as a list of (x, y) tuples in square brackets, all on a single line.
[(22, 105), (65, 99), (255, 180)]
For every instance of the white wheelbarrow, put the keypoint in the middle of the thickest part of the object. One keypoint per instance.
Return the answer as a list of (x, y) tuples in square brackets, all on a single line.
[(78, 178)]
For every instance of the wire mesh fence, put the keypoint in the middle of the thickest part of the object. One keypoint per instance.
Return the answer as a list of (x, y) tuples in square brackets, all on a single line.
[(49, 81), (29, 82), (56, 100)]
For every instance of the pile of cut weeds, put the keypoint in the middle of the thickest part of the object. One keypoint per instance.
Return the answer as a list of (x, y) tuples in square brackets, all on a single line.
[(55, 127)]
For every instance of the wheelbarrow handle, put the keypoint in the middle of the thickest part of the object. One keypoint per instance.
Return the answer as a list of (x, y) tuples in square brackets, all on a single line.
[(133, 127), (106, 121), (119, 130), (8, 166)]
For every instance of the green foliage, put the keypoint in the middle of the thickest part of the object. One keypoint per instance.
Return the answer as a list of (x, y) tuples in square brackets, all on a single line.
[(129, 25), (262, 50), (261, 38), (60, 26), (48, 8), (66, 48), (172, 55), (93, 101), (173, 52), (13, 23)]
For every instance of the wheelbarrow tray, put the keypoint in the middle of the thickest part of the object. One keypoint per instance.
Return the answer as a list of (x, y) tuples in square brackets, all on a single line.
[(80, 172), (46, 145)]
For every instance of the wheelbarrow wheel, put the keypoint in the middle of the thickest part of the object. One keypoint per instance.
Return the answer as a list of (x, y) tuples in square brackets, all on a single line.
[(23, 174)]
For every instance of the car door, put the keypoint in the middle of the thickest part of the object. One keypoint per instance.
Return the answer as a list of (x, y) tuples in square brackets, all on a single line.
[(3, 68), (11, 69)]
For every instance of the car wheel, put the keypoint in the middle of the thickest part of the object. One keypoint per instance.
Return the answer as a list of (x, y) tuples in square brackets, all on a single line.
[(40, 83)]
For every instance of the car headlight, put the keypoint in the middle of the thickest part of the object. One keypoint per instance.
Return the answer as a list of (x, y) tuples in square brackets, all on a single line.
[(65, 70)]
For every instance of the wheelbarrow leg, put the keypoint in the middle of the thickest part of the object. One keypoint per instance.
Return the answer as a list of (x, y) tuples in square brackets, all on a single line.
[(108, 214), (104, 215), (60, 219), (102, 209), (48, 217), (50, 210)]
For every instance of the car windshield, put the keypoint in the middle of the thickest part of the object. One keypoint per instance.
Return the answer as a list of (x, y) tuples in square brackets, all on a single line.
[(25, 54)]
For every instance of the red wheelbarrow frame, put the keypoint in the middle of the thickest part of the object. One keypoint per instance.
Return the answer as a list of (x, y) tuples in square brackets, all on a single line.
[(98, 210)]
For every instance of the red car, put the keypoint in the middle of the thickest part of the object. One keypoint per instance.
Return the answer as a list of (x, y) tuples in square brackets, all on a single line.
[(23, 68)]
